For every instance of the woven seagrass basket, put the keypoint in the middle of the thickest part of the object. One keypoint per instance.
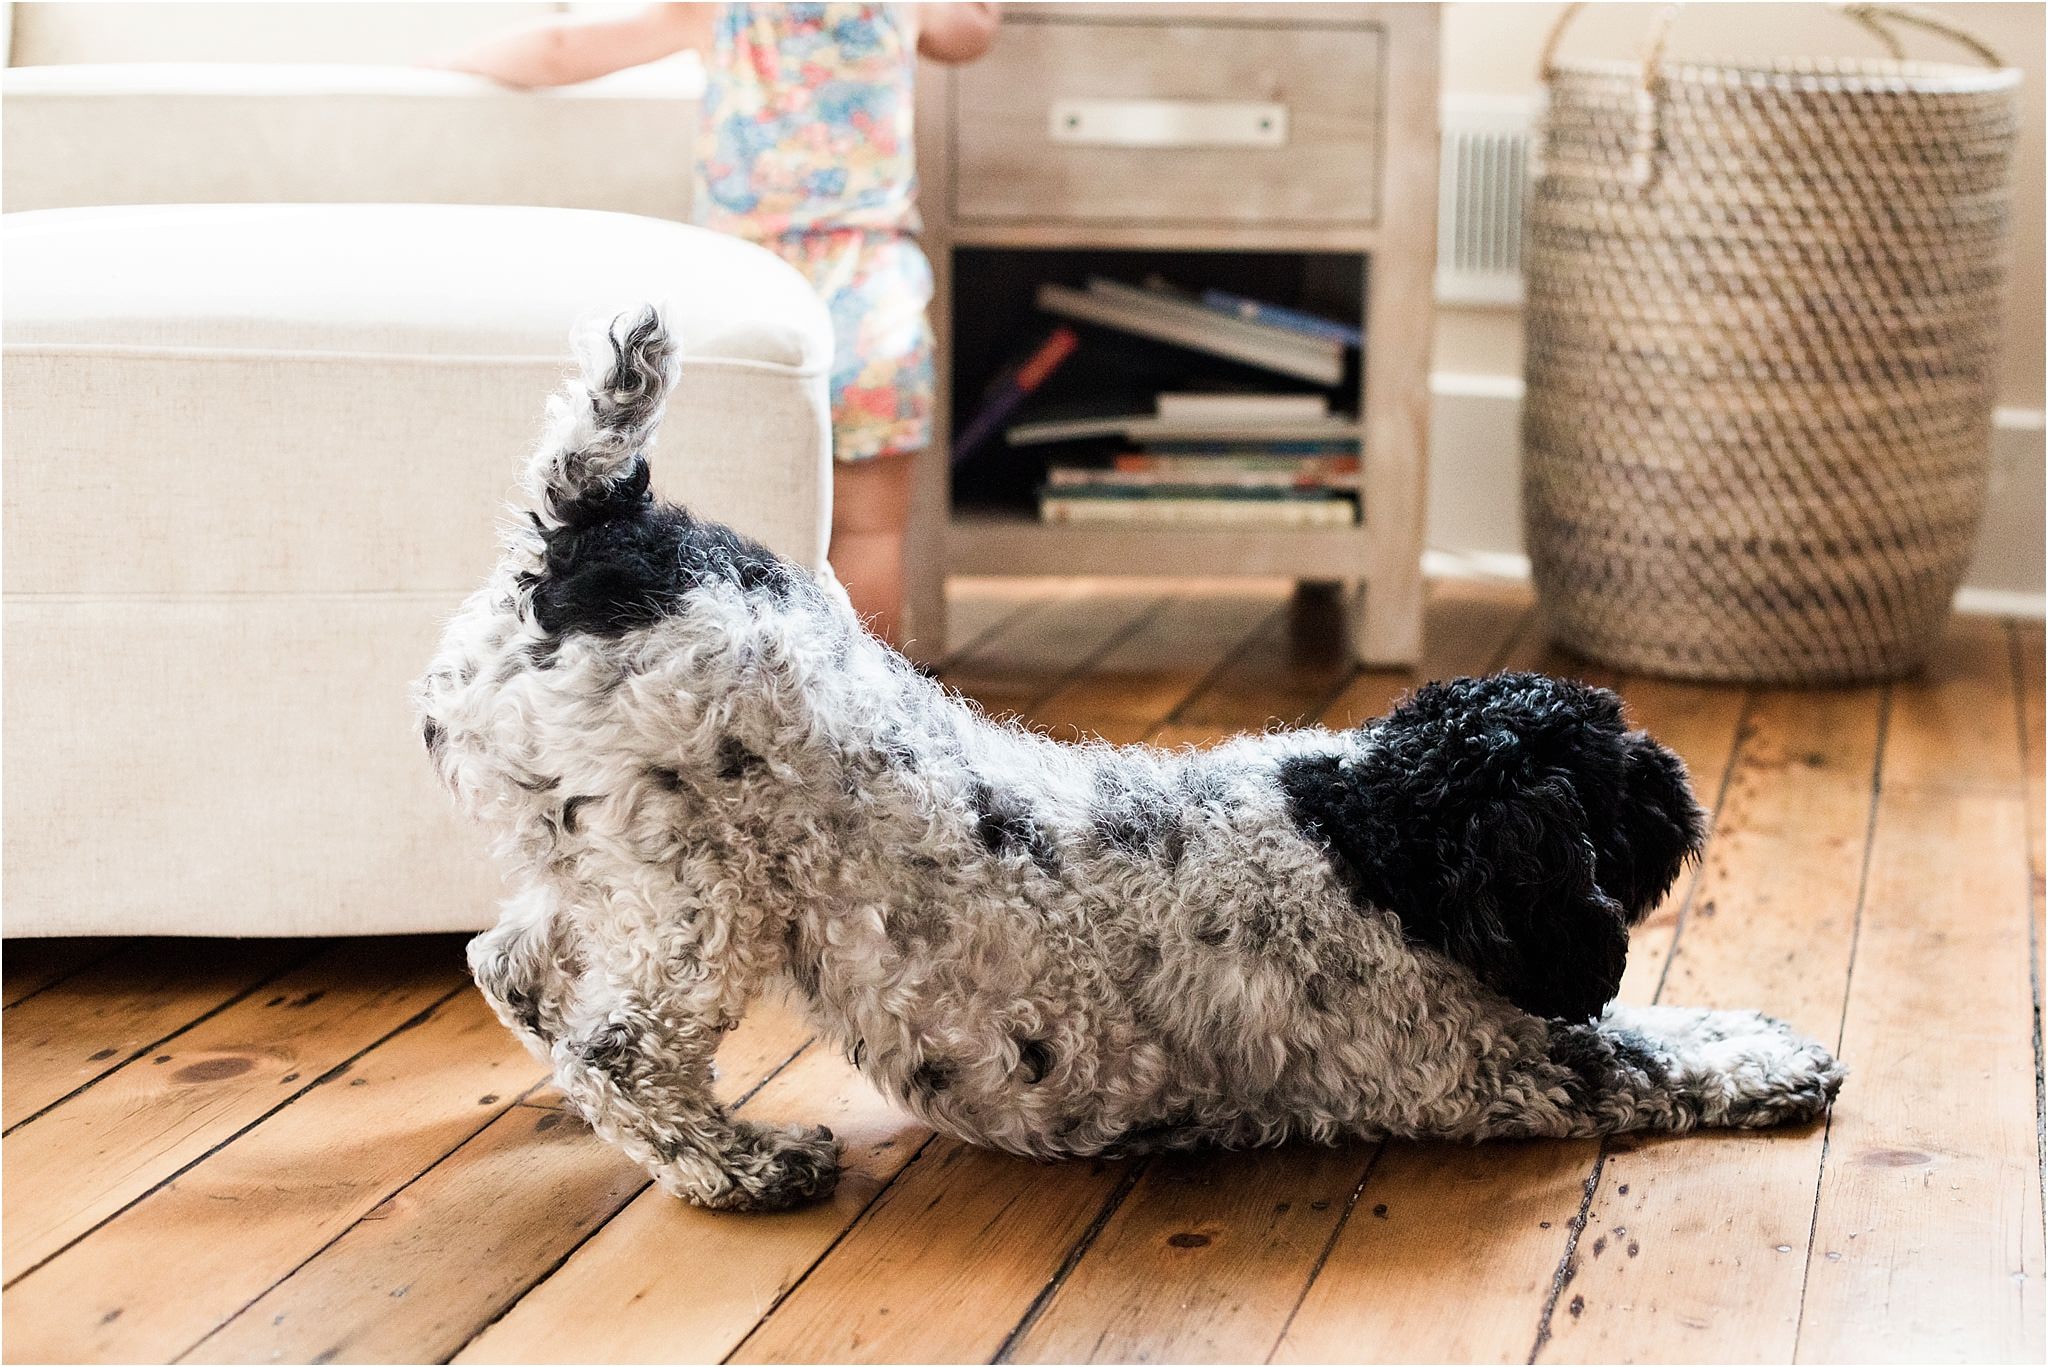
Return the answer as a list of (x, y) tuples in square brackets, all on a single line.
[(1762, 318)]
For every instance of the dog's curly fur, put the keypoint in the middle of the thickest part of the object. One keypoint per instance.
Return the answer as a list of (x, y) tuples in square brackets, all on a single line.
[(705, 777)]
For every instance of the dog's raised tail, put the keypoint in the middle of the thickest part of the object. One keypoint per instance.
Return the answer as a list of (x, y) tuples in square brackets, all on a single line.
[(592, 460)]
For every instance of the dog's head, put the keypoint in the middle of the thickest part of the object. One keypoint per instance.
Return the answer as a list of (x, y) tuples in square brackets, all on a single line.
[(1554, 762), (1514, 823)]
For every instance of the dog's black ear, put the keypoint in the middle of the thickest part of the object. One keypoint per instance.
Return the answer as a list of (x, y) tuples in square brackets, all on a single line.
[(1522, 907), (1465, 813), (1657, 828)]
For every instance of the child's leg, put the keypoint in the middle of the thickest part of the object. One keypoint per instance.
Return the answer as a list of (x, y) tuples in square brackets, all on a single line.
[(876, 287), (870, 515)]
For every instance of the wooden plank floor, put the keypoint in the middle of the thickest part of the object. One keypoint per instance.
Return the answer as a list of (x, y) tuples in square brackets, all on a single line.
[(330, 1152)]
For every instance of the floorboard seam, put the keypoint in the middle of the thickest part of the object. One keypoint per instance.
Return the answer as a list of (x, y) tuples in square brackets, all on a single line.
[(1087, 663), (1567, 1267), (1102, 652), (1110, 1206), (490, 1119), (2017, 647), (1215, 672), (1090, 661), (1514, 638), (289, 965), (860, 1216), (1827, 1134), (76, 969), (558, 1264), (1328, 700), (337, 1070), (1742, 717), (1329, 1246), (988, 633)]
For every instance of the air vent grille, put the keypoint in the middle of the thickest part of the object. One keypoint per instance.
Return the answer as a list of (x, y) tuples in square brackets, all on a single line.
[(1484, 175)]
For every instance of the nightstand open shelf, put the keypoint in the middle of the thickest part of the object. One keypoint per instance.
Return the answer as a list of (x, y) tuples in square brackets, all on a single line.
[(1318, 193), (1018, 543)]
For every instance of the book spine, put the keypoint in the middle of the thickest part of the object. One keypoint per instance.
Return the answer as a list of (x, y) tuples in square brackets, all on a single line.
[(1205, 474), (1275, 512), (1140, 492), (1250, 450), (1047, 359), (1011, 390), (1217, 486), (1273, 315), (1165, 322), (1242, 407), (1315, 467)]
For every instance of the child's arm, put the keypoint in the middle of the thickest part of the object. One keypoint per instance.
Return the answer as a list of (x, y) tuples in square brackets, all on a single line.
[(955, 33), (563, 53)]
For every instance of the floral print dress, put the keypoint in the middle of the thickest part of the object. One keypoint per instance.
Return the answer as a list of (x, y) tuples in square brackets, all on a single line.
[(807, 149)]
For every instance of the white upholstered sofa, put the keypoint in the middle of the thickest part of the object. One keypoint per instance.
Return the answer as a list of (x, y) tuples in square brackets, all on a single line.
[(208, 103), (254, 453)]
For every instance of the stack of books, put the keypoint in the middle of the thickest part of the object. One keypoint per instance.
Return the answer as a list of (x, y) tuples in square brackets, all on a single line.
[(1218, 458), (1236, 454), (1222, 484)]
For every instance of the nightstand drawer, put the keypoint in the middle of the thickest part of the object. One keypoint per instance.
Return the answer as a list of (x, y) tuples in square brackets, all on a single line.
[(1183, 123)]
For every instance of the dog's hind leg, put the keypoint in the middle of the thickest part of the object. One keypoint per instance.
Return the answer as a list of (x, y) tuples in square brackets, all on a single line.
[(1665, 1068)]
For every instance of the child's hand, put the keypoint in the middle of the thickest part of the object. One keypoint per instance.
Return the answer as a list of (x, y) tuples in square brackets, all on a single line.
[(955, 32)]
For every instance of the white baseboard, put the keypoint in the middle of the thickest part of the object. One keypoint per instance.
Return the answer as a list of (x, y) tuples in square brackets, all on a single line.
[(1514, 567), (1475, 487)]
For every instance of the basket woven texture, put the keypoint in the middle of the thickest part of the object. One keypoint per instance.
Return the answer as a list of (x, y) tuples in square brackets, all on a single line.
[(1762, 318)]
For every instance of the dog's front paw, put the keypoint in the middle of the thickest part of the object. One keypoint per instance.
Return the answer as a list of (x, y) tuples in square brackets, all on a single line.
[(792, 1165), (1765, 1075), (770, 1168)]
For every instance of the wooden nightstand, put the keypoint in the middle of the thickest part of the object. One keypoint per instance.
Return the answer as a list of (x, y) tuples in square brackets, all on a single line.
[(1209, 130)]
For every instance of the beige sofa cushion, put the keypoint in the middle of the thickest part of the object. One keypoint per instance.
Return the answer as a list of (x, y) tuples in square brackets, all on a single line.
[(218, 132), (336, 398), (54, 31), (254, 453)]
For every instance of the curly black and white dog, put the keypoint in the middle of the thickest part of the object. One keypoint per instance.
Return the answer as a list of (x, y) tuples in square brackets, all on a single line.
[(706, 778)]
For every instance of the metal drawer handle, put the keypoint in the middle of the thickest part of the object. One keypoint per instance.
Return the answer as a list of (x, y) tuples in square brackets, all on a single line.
[(1169, 123)]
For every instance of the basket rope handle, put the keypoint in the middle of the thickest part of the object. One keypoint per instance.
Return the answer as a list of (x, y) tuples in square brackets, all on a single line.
[(1649, 120), (1546, 63), (1872, 17), (1649, 86), (1875, 17)]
